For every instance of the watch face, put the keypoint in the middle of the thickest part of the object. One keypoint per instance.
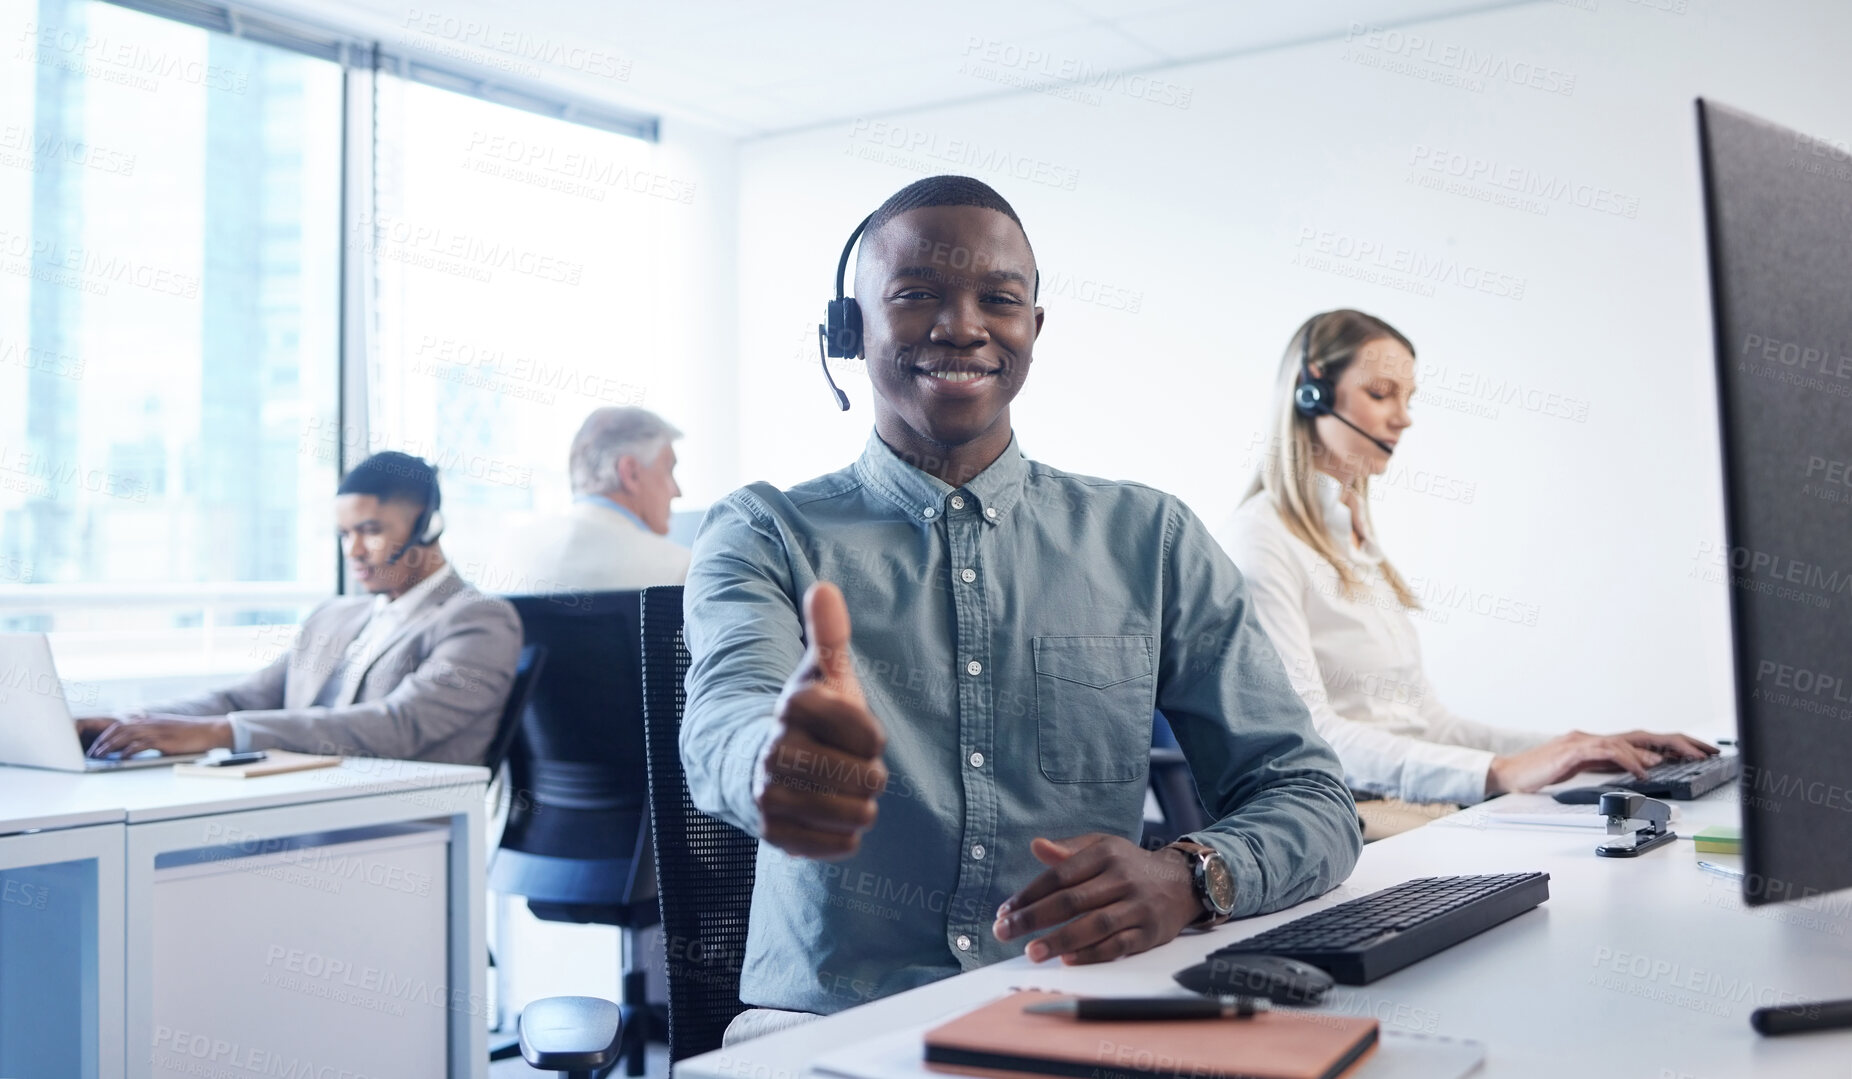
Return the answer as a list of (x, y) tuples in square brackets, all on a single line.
[(1220, 884)]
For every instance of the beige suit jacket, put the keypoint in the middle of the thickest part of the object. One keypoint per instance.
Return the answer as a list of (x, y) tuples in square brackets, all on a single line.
[(433, 692)]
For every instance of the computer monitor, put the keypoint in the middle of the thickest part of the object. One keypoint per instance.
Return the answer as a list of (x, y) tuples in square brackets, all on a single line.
[(1778, 210)]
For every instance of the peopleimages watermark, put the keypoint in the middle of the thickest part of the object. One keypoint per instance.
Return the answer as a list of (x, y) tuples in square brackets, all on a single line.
[(1827, 479), (374, 988), (1432, 60), (26, 357), (323, 441), (24, 893), (1514, 186), (526, 377), (220, 1058), (572, 172), (41, 476), (125, 63), (322, 862), (1771, 573), (435, 247), (1098, 293), (460, 37), (1403, 268), (1816, 366), (21, 149), (19, 677), (88, 269), (1674, 983), (1067, 77), (1476, 393), (1831, 158), (919, 149)]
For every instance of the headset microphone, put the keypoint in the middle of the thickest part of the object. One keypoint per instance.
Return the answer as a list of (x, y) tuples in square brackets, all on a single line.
[(429, 525), (840, 335), (1314, 395)]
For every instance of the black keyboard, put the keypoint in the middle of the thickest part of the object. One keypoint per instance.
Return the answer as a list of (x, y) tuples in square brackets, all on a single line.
[(1365, 939), (1683, 780)]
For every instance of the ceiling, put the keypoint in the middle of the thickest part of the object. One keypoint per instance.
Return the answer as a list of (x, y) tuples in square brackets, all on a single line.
[(763, 67)]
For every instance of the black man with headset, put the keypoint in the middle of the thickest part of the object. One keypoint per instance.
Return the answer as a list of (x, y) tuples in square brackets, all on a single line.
[(418, 669)]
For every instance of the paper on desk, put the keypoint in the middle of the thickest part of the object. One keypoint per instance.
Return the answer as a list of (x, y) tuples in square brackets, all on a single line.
[(1529, 811), (1398, 1055)]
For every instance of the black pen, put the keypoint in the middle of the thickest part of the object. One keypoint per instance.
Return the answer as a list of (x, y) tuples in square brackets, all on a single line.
[(1123, 1008), (1803, 1017)]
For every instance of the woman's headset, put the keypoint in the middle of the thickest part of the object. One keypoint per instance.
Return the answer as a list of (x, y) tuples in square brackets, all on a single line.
[(1315, 396)]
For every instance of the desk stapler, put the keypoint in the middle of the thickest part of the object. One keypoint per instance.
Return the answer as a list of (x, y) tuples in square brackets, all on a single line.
[(1639, 822)]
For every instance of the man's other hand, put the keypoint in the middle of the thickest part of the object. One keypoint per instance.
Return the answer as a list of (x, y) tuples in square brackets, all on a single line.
[(1115, 897), (818, 778)]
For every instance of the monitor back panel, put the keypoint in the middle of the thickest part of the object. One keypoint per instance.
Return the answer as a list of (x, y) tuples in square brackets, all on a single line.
[(1779, 217)]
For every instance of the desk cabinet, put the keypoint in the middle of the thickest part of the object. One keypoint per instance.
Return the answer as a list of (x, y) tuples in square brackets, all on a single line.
[(61, 953)]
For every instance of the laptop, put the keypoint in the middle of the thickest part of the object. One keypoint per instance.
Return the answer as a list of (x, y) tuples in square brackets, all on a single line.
[(36, 728)]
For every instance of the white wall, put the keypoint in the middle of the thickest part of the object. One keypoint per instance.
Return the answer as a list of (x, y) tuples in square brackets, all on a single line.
[(1581, 506)]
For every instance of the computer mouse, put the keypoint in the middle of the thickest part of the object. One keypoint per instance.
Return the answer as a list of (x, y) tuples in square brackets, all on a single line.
[(1281, 980), (1586, 796)]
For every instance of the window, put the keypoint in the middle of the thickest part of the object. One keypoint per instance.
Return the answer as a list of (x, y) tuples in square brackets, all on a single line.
[(517, 290), (185, 199), (169, 326)]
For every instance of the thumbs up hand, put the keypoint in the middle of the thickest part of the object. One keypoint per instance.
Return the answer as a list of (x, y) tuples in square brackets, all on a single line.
[(818, 779)]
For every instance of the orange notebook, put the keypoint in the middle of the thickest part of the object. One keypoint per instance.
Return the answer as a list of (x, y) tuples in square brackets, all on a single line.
[(1001, 1040)]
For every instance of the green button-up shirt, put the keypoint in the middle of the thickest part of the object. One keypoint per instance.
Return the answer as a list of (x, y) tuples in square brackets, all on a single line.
[(1013, 636)]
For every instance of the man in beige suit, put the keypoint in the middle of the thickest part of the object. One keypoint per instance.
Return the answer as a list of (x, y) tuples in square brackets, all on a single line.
[(614, 536), (418, 670)]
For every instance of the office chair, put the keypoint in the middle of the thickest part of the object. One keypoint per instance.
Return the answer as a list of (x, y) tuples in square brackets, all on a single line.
[(576, 844), (1174, 787), (532, 661), (704, 867), (704, 885)]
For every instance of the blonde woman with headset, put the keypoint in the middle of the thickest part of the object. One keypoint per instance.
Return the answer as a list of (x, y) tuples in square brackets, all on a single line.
[(1337, 610)]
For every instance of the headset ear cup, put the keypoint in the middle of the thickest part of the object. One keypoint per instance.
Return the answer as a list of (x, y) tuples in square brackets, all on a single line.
[(1312, 397), (852, 321), (844, 337), (432, 530)]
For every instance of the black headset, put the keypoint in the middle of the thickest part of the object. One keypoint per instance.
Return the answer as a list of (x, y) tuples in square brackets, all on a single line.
[(429, 525), (1314, 396), (840, 335)]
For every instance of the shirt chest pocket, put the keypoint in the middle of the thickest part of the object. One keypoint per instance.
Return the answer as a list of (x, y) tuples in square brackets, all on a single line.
[(1093, 702)]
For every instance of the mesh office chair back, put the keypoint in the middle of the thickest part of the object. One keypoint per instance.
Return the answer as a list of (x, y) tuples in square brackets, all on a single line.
[(704, 867)]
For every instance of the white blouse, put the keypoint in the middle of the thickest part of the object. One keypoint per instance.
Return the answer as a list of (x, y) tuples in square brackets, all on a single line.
[(1356, 663)]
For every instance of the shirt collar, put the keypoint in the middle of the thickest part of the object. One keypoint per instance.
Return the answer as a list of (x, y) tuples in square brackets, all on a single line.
[(925, 498), (1338, 522), (601, 500), (414, 596)]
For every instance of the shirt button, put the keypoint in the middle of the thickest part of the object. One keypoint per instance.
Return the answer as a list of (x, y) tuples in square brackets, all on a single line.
[(964, 943), (974, 667), (929, 512), (990, 512), (967, 575), (977, 760), (977, 851), (958, 502)]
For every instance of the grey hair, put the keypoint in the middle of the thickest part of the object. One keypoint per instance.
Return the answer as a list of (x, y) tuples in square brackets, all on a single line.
[(608, 436)]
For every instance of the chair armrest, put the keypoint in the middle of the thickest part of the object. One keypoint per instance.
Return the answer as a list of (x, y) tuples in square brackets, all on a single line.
[(570, 1033)]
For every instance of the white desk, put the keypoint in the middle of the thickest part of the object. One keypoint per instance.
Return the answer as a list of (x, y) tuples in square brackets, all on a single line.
[(1643, 968), (364, 827)]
